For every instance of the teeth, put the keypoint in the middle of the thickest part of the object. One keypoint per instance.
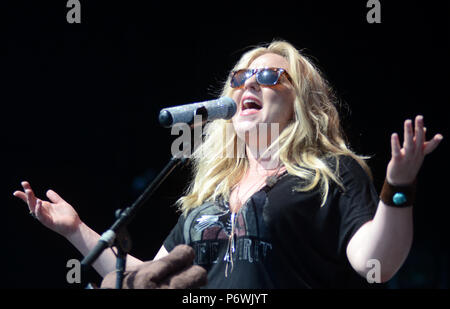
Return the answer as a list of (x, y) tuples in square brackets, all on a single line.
[(249, 103)]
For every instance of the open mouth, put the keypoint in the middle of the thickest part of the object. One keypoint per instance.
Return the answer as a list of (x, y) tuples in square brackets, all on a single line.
[(251, 104)]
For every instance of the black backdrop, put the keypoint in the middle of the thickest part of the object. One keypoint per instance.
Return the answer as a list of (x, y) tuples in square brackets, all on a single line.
[(80, 105)]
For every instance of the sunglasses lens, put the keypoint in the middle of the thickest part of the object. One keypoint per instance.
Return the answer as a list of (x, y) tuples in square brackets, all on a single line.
[(267, 77), (239, 78)]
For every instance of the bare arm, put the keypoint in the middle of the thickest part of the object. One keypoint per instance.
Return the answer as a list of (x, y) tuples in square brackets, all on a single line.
[(388, 237), (85, 239), (59, 216)]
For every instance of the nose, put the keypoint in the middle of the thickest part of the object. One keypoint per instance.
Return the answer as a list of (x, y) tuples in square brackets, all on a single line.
[(251, 83)]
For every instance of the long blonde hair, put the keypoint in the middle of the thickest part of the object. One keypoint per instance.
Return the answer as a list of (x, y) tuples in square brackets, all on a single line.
[(305, 145)]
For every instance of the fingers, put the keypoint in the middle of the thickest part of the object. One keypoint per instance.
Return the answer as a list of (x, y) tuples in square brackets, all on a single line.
[(419, 131), (182, 255), (37, 209), (160, 270), (179, 258), (432, 144), (31, 198), (21, 195), (193, 277), (27, 196), (414, 139), (54, 197), (408, 135), (395, 146), (26, 185), (34, 203), (27, 192)]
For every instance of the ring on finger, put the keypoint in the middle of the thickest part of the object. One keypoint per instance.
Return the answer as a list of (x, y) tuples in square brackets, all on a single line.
[(33, 215)]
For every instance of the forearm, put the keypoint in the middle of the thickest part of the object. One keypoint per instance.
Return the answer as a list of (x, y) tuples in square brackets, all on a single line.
[(387, 238), (85, 239)]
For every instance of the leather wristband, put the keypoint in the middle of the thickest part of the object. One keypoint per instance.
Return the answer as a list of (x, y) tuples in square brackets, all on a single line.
[(398, 196)]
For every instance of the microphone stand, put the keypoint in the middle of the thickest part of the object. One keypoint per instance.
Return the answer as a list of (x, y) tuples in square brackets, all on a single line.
[(117, 235)]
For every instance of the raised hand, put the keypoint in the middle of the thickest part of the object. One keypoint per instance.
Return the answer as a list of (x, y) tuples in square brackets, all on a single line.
[(56, 214), (407, 160)]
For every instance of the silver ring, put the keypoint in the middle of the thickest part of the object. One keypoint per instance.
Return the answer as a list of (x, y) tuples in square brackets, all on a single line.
[(33, 215)]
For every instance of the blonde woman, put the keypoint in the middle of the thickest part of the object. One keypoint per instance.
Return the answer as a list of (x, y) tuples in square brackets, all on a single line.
[(301, 212)]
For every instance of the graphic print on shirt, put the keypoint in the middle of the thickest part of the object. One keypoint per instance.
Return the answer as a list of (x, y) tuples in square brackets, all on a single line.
[(209, 227)]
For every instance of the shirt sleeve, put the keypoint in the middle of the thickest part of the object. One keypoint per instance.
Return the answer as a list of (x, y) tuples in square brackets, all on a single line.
[(176, 235), (357, 203)]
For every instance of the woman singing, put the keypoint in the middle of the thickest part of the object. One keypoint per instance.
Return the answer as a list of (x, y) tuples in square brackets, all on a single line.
[(297, 208)]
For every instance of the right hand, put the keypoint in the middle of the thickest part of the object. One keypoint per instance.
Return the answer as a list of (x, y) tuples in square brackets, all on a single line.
[(56, 214)]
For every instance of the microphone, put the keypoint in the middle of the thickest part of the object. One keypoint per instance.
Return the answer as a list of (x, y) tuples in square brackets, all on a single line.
[(222, 108)]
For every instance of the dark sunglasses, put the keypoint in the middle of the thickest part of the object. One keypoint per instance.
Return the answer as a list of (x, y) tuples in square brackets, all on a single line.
[(264, 76)]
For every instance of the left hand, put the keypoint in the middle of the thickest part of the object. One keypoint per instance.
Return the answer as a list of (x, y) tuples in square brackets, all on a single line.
[(406, 162)]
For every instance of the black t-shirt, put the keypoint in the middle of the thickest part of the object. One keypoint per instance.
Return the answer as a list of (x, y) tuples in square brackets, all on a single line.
[(283, 238)]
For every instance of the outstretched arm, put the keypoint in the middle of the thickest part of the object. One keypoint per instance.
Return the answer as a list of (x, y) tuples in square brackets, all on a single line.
[(59, 216), (388, 237)]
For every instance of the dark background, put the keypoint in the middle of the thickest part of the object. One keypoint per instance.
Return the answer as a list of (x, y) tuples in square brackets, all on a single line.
[(80, 105)]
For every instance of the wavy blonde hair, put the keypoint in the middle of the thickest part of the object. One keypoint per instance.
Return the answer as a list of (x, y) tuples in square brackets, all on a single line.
[(305, 145)]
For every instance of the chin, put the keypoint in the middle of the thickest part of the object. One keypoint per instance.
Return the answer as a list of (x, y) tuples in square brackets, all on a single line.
[(242, 127)]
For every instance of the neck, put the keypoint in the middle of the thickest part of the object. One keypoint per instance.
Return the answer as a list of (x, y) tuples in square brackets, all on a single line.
[(260, 163), (257, 141)]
